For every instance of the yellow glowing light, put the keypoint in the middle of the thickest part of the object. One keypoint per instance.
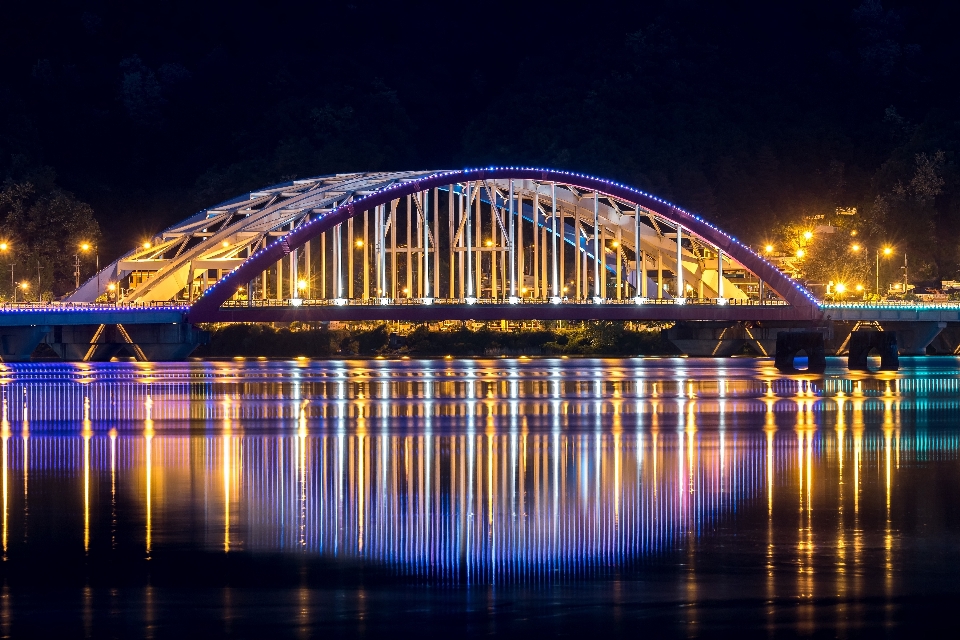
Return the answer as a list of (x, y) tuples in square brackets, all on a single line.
[(359, 243), (800, 253), (3, 246), (489, 243), (301, 284), (769, 248), (147, 245), (24, 285), (112, 287), (85, 246), (225, 244), (840, 288), (887, 251), (406, 290), (859, 287), (807, 235), (616, 244), (523, 290), (853, 232), (855, 247)]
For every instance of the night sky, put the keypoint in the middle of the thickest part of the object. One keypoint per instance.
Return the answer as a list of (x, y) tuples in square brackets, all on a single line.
[(754, 115)]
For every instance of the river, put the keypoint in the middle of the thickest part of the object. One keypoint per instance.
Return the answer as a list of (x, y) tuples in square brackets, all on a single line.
[(462, 497)]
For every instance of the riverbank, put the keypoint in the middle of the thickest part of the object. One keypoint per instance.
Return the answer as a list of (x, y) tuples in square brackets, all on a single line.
[(582, 338)]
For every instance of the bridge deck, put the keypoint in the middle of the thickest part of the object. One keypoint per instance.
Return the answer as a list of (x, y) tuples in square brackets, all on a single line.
[(20, 315), (892, 312)]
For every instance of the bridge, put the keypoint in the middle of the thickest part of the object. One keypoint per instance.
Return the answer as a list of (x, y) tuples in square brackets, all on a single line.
[(502, 243)]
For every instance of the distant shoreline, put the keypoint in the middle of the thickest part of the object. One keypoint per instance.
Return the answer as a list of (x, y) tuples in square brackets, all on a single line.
[(583, 339)]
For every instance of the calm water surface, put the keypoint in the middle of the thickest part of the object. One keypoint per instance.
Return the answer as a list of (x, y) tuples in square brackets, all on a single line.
[(478, 497)]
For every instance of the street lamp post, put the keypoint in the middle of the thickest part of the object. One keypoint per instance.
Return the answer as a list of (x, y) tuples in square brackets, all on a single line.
[(86, 246), (906, 280), (4, 247), (878, 274), (886, 252)]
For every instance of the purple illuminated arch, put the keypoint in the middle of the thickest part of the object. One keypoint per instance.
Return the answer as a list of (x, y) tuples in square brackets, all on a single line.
[(206, 306)]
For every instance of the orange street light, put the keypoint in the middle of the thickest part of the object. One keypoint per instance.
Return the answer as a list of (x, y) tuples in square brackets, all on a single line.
[(807, 235), (85, 246), (800, 253), (4, 246), (768, 248), (886, 252), (855, 247), (147, 245), (359, 243), (840, 287)]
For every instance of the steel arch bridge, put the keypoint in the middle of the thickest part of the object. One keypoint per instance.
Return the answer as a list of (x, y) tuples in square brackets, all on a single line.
[(485, 244)]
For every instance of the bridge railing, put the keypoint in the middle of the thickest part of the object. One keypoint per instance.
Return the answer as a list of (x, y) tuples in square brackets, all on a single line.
[(34, 307), (892, 304), (373, 302)]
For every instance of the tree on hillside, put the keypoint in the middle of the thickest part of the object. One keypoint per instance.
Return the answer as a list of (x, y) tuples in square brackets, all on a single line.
[(43, 230)]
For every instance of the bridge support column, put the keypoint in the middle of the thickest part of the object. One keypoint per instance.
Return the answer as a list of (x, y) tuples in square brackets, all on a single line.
[(145, 342), (913, 338), (18, 343), (707, 339), (948, 340), (790, 343), (861, 342)]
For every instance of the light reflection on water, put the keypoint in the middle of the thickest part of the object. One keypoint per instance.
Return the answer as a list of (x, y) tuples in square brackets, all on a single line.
[(471, 471), (488, 472)]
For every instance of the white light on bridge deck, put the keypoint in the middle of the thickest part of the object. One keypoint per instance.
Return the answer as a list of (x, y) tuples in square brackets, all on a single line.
[(514, 299), (339, 302), (640, 300), (680, 300), (296, 302), (471, 300), (721, 301), (427, 301), (597, 300), (555, 300)]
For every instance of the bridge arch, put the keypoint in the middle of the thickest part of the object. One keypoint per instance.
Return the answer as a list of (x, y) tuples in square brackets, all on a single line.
[(621, 239), (223, 290)]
